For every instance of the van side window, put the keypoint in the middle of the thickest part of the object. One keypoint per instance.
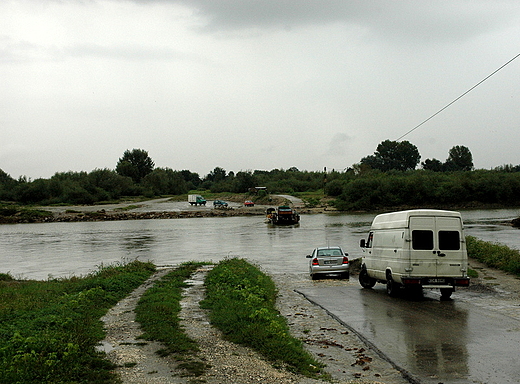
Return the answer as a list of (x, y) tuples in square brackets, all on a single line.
[(422, 240), (449, 240), (370, 240)]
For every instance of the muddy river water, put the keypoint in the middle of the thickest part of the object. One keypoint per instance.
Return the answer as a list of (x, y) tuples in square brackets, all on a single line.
[(40, 251)]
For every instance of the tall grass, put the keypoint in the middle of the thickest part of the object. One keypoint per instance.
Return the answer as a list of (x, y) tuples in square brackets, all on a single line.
[(49, 329), (494, 255), (242, 303)]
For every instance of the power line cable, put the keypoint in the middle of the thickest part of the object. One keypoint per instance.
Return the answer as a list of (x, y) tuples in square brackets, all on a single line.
[(464, 94)]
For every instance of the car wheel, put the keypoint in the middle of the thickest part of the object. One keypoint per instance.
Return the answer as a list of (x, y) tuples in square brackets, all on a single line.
[(344, 275), (392, 288), (365, 280), (446, 293), (315, 276)]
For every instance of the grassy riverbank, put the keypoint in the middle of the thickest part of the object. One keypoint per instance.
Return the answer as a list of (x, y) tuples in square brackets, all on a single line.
[(49, 329), (494, 255)]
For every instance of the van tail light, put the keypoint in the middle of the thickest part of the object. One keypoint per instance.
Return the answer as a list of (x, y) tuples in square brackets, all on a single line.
[(345, 260), (315, 262), (461, 281)]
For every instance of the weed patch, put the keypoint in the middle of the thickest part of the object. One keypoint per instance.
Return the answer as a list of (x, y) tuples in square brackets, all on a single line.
[(49, 329), (242, 303)]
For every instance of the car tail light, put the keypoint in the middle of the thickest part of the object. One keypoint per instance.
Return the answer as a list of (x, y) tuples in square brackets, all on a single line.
[(345, 260), (315, 262)]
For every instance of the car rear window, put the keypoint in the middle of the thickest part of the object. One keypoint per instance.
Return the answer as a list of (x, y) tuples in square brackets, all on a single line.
[(329, 252)]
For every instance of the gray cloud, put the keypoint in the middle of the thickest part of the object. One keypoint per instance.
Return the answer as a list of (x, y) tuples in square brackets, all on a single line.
[(407, 20)]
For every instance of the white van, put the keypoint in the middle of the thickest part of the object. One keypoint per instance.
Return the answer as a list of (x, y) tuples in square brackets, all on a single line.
[(420, 248)]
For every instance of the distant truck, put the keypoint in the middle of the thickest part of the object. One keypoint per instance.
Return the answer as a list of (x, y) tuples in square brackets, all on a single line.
[(196, 200), (415, 249)]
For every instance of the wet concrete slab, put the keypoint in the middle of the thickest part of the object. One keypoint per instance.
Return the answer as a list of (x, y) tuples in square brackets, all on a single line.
[(430, 340)]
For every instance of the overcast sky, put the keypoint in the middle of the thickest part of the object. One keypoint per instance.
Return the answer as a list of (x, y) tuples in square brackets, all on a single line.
[(247, 85)]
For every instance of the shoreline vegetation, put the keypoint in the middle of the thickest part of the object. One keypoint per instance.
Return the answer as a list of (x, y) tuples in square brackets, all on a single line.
[(50, 329)]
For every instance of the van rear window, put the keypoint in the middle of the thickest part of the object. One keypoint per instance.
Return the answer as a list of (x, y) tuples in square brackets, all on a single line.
[(422, 240), (449, 240)]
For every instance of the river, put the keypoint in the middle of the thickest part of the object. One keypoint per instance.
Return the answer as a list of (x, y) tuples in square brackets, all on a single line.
[(49, 250)]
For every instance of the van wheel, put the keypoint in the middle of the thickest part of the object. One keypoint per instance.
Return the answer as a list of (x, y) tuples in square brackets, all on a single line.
[(446, 293), (365, 280), (392, 288)]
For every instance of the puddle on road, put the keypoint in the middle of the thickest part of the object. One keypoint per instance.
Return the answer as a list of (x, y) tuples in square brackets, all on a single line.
[(104, 346)]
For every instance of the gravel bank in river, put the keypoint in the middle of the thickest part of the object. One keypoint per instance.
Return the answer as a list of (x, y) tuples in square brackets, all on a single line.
[(153, 209)]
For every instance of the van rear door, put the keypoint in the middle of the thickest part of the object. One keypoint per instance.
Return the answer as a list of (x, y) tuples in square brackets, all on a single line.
[(436, 248), (450, 244)]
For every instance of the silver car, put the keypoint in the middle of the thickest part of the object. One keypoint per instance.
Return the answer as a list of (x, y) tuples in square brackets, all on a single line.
[(328, 260)]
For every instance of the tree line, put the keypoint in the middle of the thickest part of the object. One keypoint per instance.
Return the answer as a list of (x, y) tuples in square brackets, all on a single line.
[(388, 178)]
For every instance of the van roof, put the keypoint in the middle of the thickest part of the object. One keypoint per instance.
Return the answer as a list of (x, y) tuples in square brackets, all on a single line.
[(401, 219)]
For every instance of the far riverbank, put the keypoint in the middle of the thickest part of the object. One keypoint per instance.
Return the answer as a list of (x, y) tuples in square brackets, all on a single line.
[(167, 208)]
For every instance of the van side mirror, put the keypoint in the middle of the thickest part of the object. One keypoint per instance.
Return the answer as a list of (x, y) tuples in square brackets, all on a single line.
[(362, 243)]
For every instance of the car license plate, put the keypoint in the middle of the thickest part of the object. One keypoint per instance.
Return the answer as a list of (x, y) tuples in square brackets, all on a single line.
[(329, 262), (436, 281)]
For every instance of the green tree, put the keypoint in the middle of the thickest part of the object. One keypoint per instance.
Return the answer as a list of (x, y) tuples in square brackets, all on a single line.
[(7, 186), (459, 159), (433, 165), (335, 187), (36, 191), (111, 182), (192, 179), (398, 155), (243, 181), (5, 178), (135, 164), (165, 181), (218, 174)]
